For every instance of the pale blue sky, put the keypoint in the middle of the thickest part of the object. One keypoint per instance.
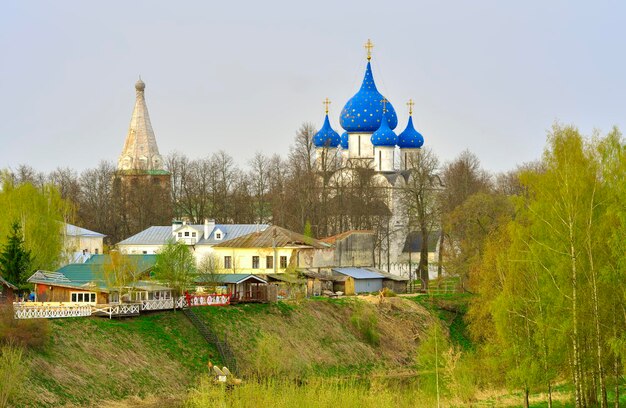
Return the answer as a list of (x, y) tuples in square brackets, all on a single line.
[(488, 76)]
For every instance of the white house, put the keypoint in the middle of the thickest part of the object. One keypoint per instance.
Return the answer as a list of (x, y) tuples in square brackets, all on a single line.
[(199, 237), (80, 243)]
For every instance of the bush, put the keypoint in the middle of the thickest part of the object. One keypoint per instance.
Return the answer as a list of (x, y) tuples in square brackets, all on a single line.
[(12, 374), (365, 321), (386, 292), (27, 333)]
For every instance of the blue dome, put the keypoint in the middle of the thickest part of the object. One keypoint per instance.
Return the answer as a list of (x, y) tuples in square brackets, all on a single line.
[(384, 136), (364, 111), (410, 138), (326, 137), (344, 140)]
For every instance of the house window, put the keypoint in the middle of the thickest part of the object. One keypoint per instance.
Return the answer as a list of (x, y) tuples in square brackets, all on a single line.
[(96, 251), (193, 234), (83, 297), (269, 262), (180, 235), (145, 252), (228, 262), (186, 233), (283, 262), (218, 235), (255, 262)]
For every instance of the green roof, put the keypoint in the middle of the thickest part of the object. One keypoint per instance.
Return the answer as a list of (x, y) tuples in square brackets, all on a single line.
[(88, 274), (234, 278)]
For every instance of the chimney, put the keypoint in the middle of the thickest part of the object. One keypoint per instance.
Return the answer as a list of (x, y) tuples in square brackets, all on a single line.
[(208, 227), (175, 225)]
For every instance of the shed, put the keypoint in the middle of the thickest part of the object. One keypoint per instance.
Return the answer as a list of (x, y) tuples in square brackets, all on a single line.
[(364, 280), (7, 290)]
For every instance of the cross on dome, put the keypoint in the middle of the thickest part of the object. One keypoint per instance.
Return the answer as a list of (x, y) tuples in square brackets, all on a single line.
[(326, 103), (410, 104), (384, 102), (369, 45)]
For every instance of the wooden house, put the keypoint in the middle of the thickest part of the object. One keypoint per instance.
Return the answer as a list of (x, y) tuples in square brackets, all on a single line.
[(242, 287), (87, 283)]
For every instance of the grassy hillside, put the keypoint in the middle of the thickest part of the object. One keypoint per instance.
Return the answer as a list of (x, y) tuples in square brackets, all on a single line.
[(154, 359), (345, 336), (93, 359)]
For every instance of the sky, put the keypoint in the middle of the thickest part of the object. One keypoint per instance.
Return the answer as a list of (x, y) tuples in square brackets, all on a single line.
[(486, 76)]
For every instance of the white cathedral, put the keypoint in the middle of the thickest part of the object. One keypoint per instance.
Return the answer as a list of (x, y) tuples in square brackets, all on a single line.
[(369, 140)]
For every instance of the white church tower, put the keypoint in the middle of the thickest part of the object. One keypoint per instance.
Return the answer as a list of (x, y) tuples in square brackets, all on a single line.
[(140, 148)]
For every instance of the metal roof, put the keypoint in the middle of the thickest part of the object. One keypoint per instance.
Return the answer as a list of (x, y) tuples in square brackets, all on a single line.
[(74, 231), (160, 235), (7, 283), (270, 237), (89, 274), (234, 278), (358, 273)]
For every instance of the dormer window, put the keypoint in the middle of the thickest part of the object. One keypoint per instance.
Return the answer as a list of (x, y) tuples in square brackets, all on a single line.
[(186, 233), (219, 235), (180, 234), (193, 234)]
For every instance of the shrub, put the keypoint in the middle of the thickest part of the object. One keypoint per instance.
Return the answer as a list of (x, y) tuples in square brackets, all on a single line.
[(386, 292), (27, 333), (12, 374)]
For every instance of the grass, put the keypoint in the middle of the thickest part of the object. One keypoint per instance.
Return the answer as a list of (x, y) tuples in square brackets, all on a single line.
[(450, 309), (89, 360)]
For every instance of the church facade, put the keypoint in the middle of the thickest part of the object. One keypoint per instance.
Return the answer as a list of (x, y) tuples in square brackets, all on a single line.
[(369, 153)]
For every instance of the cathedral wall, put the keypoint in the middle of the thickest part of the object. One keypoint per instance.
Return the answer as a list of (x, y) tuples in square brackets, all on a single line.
[(384, 158), (360, 145)]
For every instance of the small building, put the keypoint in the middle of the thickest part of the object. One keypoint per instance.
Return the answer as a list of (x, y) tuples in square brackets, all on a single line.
[(365, 281), (7, 291), (80, 243), (243, 287), (85, 283)]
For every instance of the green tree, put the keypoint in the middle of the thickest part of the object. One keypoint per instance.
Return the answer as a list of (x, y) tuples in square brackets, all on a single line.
[(119, 272), (15, 259), (40, 212), (176, 266)]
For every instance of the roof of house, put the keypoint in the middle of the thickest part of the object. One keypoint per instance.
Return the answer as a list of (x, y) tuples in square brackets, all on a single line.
[(270, 237), (358, 273), (234, 278), (369, 273), (414, 239), (334, 238), (6, 283), (74, 231), (160, 235), (88, 275)]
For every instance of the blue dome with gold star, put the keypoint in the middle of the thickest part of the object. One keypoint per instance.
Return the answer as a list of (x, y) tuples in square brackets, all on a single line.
[(364, 111), (410, 138), (384, 136), (344, 141), (326, 137)]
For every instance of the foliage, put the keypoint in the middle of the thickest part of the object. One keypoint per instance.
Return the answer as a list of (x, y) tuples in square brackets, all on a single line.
[(12, 373), (386, 292), (211, 268), (176, 266), (40, 212), (15, 260), (26, 333), (120, 271)]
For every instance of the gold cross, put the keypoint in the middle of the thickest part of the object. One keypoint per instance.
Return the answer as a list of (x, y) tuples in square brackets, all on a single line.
[(326, 103), (384, 101), (410, 104), (369, 45)]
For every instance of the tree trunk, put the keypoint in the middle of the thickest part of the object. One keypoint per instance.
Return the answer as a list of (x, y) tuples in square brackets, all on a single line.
[(423, 265), (440, 255), (526, 400)]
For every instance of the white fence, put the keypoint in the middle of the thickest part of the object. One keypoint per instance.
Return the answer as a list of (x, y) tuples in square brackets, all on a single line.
[(157, 304), (50, 311), (120, 309)]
